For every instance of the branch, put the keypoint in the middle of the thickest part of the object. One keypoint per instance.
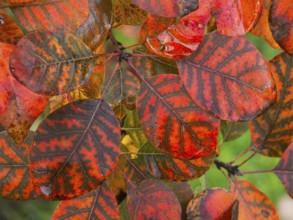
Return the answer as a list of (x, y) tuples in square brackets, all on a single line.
[(232, 170)]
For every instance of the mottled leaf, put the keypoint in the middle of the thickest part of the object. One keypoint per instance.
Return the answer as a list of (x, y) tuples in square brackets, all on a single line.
[(167, 8), (152, 200), (229, 77), (172, 122), (253, 204), (99, 204), (281, 23), (211, 204), (19, 107), (51, 63), (233, 130), (284, 170), (16, 2), (76, 147), (16, 183), (236, 18), (176, 40), (272, 131), (10, 32)]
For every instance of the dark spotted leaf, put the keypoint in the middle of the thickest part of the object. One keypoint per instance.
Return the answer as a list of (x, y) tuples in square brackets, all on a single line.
[(51, 63), (284, 170), (152, 200), (236, 18), (281, 23), (272, 131), (175, 40), (233, 130), (150, 161), (213, 203), (99, 204), (16, 183), (76, 147), (229, 77), (19, 107), (167, 8), (172, 122), (10, 32)]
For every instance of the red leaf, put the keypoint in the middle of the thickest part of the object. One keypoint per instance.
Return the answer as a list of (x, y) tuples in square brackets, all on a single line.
[(51, 63), (152, 200), (19, 107), (99, 204), (180, 39), (236, 18), (172, 122), (76, 148), (281, 23), (229, 77), (284, 170), (167, 8), (272, 131)]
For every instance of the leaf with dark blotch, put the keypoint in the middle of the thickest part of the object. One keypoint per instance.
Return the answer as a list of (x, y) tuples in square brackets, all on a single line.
[(19, 107), (76, 147), (178, 39), (281, 23), (213, 203), (152, 199), (16, 183), (95, 30), (229, 77), (51, 63), (171, 120), (236, 18), (152, 162), (167, 8), (233, 130), (272, 131), (284, 170), (52, 15), (99, 204), (253, 204), (126, 13), (10, 32)]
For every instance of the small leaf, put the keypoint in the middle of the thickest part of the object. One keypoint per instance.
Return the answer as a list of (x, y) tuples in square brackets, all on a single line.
[(236, 18), (284, 170), (152, 200), (272, 131), (233, 130), (253, 204), (16, 183), (167, 8), (281, 23), (172, 122), (51, 63), (228, 77), (76, 147), (211, 204), (99, 204)]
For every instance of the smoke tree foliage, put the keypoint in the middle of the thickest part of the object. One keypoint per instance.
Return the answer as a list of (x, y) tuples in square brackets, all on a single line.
[(125, 127)]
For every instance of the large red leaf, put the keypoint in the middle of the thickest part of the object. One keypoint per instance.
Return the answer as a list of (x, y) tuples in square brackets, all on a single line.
[(281, 23), (51, 63), (172, 122), (236, 18), (176, 40), (229, 77), (67, 15), (100, 204), (152, 200), (19, 107), (253, 204), (16, 183), (76, 147), (284, 170), (167, 8), (272, 131)]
